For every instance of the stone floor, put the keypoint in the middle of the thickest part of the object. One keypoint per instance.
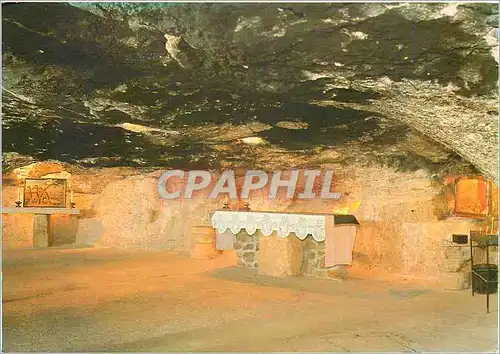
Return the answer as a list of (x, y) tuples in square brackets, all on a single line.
[(63, 300)]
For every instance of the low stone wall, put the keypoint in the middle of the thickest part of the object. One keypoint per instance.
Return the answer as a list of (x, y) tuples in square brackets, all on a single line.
[(456, 264), (247, 249)]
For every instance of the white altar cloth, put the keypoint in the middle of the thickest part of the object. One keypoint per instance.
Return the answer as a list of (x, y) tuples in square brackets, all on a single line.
[(268, 222)]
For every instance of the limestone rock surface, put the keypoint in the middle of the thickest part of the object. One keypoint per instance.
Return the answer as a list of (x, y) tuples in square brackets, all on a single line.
[(183, 85)]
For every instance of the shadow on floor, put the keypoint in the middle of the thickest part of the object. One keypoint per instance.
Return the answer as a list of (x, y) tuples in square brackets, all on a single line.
[(354, 288)]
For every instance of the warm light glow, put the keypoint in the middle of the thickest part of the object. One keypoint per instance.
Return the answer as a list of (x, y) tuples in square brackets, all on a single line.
[(341, 211), (347, 210), (354, 206)]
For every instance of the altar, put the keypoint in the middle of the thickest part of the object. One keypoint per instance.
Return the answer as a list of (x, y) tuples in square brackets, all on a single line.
[(281, 244), (41, 221)]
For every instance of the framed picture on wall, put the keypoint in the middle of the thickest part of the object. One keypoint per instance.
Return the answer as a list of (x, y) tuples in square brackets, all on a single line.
[(472, 197), (44, 192)]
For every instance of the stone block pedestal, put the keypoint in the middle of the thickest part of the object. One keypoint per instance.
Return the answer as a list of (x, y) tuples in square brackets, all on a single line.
[(280, 256), (204, 247), (455, 267), (41, 231)]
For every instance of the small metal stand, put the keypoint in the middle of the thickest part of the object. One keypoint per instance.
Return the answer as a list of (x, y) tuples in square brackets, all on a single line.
[(485, 242), (18, 204), (226, 206), (72, 205), (247, 207)]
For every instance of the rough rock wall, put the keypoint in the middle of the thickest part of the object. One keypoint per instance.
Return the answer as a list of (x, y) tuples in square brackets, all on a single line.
[(399, 214), (17, 231)]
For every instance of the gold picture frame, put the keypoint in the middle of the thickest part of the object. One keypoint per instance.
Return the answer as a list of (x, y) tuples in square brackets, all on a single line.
[(45, 192)]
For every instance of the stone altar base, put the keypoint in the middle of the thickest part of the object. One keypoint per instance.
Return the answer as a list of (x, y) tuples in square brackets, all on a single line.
[(279, 256), (41, 231), (247, 249)]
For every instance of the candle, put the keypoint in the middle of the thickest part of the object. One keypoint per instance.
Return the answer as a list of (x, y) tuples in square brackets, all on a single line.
[(71, 197), (19, 190)]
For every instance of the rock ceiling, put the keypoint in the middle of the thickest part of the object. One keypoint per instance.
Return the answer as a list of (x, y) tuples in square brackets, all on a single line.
[(264, 85)]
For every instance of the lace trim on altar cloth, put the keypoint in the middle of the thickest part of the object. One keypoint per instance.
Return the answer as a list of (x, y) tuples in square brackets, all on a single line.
[(283, 224)]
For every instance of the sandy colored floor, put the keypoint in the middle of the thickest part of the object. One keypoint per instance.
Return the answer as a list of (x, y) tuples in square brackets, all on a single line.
[(111, 300)]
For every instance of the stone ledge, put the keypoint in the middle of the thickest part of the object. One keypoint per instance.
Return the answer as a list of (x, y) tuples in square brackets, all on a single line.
[(22, 210)]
